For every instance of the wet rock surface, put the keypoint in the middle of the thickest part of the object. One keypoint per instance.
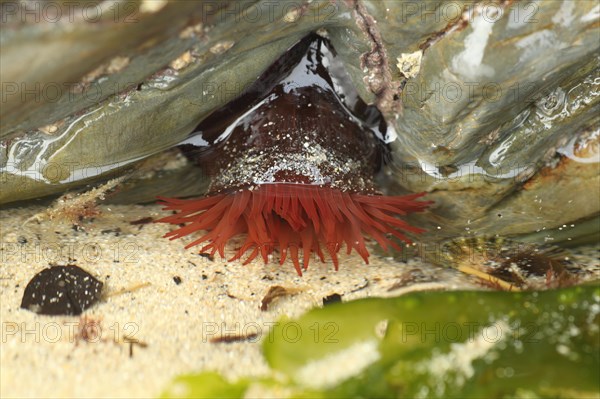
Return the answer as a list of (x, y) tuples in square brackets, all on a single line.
[(488, 99)]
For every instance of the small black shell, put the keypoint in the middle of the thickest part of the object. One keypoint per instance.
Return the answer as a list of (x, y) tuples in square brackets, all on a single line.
[(61, 290)]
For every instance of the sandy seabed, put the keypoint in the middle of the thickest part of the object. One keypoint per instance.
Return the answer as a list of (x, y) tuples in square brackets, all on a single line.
[(174, 301)]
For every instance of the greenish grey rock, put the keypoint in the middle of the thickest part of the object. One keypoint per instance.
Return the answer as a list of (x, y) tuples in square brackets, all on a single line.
[(45, 56), (482, 119), (484, 75)]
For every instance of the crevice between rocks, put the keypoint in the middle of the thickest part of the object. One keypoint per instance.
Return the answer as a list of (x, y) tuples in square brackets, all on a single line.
[(376, 64)]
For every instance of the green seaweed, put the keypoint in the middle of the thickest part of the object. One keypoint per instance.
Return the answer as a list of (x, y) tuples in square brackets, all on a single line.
[(205, 385), (437, 344)]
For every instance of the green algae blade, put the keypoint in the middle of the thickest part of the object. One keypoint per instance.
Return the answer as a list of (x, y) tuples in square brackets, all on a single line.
[(431, 344), (204, 385)]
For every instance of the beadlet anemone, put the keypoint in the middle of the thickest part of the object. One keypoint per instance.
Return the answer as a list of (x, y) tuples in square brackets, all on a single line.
[(293, 161)]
